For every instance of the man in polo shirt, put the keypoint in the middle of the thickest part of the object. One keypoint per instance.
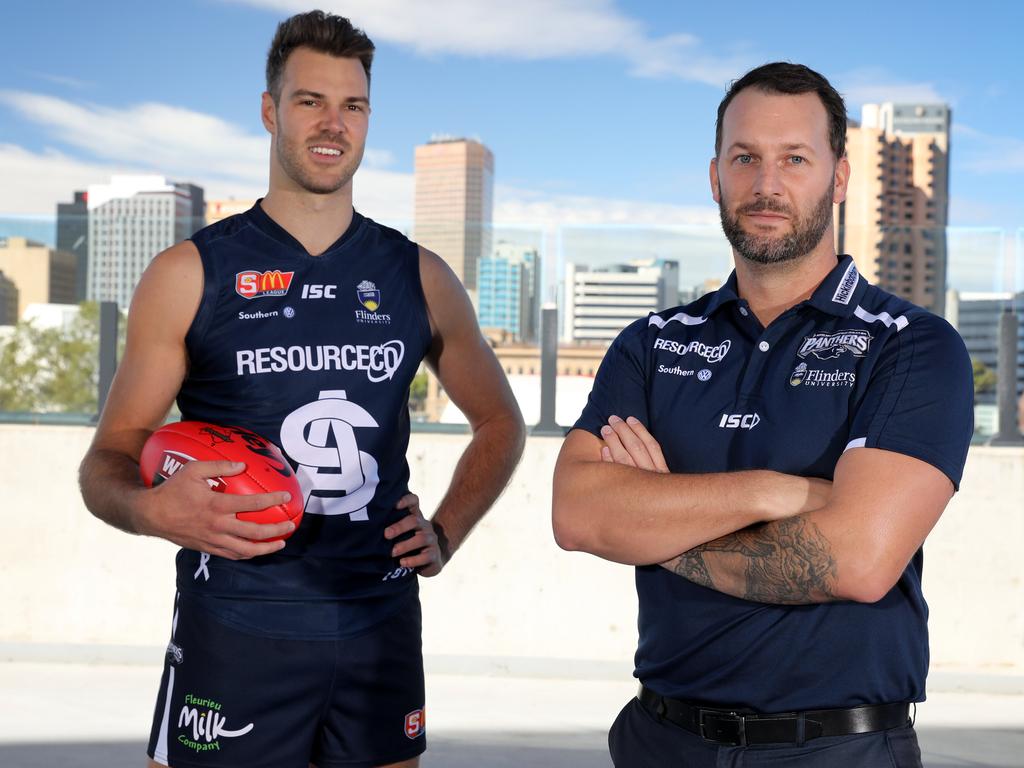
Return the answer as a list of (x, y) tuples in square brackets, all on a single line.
[(771, 458)]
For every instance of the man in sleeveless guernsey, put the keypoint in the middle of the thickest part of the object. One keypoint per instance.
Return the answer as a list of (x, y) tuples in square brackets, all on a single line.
[(303, 321), (771, 458)]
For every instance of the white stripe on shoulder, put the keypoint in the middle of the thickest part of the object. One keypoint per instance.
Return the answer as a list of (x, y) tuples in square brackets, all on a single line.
[(900, 322), (860, 442), (679, 317)]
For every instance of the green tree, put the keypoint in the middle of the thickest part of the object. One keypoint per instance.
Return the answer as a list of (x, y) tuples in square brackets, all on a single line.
[(984, 377), (53, 370), (418, 391)]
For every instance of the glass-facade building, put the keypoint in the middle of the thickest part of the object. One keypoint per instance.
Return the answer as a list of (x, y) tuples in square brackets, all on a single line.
[(508, 291)]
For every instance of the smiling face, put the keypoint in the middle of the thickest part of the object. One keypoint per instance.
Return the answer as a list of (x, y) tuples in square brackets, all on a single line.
[(776, 177), (319, 125)]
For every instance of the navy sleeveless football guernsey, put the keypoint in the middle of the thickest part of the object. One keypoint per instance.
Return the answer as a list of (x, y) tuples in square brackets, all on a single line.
[(316, 354)]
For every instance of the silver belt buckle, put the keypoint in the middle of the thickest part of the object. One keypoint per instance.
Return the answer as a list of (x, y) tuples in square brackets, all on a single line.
[(736, 717)]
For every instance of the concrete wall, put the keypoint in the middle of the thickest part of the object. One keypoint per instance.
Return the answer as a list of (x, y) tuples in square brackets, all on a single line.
[(510, 599)]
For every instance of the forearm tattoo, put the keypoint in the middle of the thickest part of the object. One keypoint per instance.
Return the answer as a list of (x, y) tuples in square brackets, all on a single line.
[(785, 562)]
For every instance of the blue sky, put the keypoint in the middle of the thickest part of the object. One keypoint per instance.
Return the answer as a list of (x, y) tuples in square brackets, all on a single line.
[(598, 111)]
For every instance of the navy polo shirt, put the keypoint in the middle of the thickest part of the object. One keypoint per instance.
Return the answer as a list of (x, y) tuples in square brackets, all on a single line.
[(852, 366)]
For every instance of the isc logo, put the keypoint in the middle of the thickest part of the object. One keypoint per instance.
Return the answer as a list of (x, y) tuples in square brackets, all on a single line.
[(739, 420), (317, 291)]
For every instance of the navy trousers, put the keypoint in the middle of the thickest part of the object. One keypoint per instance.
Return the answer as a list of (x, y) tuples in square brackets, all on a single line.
[(640, 739)]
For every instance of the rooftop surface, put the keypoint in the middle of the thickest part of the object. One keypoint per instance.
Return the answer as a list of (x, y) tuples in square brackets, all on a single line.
[(98, 716)]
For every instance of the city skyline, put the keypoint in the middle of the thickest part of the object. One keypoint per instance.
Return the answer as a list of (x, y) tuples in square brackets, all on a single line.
[(598, 111)]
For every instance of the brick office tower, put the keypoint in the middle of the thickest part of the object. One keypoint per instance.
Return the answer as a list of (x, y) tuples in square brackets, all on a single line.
[(454, 201), (894, 219)]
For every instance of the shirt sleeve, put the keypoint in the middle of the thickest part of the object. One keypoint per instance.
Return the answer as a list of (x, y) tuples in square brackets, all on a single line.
[(920, 398), (620, 387)]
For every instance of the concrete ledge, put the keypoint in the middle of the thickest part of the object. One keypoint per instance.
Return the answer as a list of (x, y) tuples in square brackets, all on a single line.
[(511, 603), (1006, 683)]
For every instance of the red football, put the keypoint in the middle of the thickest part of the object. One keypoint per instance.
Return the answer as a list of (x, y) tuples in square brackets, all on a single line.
[(173, 445)]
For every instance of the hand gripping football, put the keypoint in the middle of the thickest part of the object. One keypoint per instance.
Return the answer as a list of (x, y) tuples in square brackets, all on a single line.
[(173, 445)]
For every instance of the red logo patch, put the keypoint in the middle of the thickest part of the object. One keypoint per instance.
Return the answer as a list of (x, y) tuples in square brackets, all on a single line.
[(252, 284), (416, 723)]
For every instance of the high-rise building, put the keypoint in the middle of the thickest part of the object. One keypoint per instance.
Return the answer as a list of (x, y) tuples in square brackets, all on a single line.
[(8, 301), (198, 204), (600, 303), (73, 238), (131, 220), (976, 317), (893, 222), (509, 291), (454, 202), (43, 275)]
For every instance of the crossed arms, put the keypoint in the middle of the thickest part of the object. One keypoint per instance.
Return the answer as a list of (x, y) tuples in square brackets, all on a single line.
[(759, 535)]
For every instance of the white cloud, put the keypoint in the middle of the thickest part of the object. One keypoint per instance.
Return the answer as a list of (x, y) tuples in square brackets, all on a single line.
[(228, 162), (178, 143), (682, 56), (530, 30), (378, 158), (34, 182), (873, 85), (65, 80), (153, 136), (385, 196), (521, 207)]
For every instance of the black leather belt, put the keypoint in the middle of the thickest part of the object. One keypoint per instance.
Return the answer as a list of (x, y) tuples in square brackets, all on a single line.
[(739, 728)]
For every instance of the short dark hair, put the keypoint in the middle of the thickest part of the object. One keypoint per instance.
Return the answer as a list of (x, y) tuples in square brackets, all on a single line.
[(793, 79), (324, 33)]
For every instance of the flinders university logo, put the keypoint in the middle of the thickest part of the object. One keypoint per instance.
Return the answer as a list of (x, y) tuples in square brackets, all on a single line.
[(369, 296), (797, 377), (815, 377)]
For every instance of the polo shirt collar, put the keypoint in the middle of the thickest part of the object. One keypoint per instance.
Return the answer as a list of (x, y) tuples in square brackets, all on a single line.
[(726, 294), (839, 293)]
